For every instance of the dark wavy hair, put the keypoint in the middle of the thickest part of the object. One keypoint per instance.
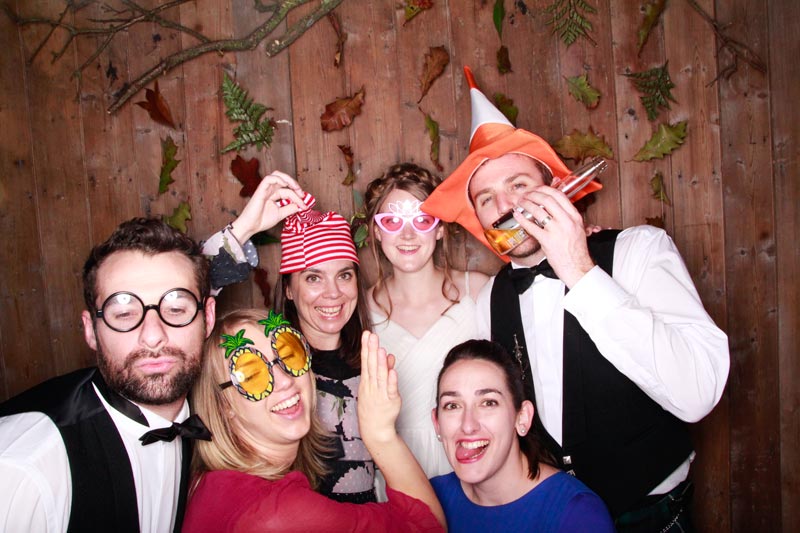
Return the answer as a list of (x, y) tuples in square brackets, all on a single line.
[(150, 236), (494, 353), (420, 183)]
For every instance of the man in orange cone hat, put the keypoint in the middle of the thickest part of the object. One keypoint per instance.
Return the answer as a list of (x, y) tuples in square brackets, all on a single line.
[(617, 351)]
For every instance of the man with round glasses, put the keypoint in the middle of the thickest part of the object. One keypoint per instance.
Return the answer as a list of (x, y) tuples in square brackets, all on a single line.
[(99, 449)]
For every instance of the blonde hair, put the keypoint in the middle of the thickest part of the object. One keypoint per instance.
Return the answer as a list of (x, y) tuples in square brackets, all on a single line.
[(420, 183), (228, 450)]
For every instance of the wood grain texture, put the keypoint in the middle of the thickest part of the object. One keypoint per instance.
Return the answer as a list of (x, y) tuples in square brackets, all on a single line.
[(69, 173)]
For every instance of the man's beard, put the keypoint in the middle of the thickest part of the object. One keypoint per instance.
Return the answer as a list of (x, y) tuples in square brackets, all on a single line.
[(525, 249), (152, 389)]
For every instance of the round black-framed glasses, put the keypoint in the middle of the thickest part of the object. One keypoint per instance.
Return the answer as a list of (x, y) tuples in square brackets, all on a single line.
[(124, 311)]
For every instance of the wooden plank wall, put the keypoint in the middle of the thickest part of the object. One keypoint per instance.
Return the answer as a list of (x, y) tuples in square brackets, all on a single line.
[(69, 172)]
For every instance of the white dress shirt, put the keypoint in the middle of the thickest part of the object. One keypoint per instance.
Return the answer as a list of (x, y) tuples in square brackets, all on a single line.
[(648, 321), (36, 487)]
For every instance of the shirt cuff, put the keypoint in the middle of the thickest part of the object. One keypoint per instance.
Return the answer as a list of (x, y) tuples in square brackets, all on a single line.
[(595, 296)]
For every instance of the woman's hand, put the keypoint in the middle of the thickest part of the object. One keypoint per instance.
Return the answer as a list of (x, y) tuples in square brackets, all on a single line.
[(263, 210), (378, 398)]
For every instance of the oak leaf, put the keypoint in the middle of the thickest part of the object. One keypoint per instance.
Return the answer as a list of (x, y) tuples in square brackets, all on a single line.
[(340, 113), (179, 216), (433, 133), (506, 107), (348, 158), (157, 107), (578, 146), (503, 61), (580, 89), (652, 12), (658, 222), (168, 163), (436, 60), (246, 171), (659, 190), (663, 142)]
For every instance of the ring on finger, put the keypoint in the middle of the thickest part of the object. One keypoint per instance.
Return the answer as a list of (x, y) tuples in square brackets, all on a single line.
[(543, 222)]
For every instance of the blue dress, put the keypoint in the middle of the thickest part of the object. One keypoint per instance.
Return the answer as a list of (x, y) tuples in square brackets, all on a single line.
[(559, 503)]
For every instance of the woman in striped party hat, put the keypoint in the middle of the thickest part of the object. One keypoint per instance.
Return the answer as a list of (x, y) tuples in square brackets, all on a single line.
[(321, 295)]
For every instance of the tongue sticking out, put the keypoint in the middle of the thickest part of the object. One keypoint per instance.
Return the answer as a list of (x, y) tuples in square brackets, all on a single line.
[(469, 451)]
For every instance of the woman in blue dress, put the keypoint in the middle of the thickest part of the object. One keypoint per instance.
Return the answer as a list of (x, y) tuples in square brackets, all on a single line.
[(502, 478)]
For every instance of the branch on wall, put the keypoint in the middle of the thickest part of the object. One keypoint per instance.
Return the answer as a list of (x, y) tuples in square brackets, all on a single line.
[(108, 28), (738, 49)]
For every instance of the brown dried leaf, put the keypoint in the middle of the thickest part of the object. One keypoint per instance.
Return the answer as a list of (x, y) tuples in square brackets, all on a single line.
[(503, 61), (157, 107), (348, 158), (246, 171), (658, 222), (436, 60), (340, 113), (341, 37), (659, 190)]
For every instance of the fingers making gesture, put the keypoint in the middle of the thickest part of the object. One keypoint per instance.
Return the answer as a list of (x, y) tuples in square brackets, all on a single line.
[(266, 207)]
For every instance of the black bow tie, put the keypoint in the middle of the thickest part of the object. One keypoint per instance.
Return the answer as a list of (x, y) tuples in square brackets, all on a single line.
[(191, 428), (522, 278)]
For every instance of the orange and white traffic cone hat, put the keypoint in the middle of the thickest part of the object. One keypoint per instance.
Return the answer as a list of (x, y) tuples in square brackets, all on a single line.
[(492, 136)]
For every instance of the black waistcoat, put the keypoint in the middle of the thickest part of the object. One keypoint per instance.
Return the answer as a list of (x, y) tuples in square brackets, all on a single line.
[(615, 438), (103, 490)]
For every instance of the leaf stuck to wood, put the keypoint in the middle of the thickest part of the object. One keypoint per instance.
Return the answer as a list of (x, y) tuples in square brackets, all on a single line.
[(340, 113), (436, 59), (664, 141)]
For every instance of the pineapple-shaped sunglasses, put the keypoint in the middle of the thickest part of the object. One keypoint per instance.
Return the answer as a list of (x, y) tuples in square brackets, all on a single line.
[(251, 371)]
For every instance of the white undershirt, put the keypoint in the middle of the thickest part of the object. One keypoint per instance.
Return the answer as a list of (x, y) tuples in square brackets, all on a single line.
[(36, 487), (648, 321)]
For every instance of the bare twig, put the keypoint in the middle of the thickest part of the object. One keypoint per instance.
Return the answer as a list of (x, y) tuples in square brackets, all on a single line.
[(736, 48), (120, 21)]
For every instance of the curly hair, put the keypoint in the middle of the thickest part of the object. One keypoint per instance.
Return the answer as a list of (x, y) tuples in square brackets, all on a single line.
[(420, 183)]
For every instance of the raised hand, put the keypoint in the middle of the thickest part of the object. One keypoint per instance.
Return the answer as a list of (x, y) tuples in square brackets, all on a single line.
[(263, 210), (378, 398)]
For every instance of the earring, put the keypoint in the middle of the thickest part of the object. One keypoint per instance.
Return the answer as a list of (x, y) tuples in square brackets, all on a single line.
[(438, 437)]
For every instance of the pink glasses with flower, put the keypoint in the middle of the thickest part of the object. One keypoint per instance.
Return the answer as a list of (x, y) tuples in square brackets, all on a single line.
[(405, 212)]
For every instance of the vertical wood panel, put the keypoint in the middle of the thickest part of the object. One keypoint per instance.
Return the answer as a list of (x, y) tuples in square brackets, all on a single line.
[(784, 49), (23, 309), (56, 135), (698, 226), (750, 264)]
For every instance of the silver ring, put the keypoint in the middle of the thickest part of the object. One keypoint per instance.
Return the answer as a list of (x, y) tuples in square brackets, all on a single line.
[(542, 223)]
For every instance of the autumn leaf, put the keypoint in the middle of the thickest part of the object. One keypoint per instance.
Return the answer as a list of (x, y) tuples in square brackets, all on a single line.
[(179, 216), (246, 171), (436, 60), (652, 12), (359, 229), (659, 191), (582, 91), (261, 279), (433, 133), (348, 158), (663, 142), (503, 61), (578, 146), (341, 37), (498, 14), (413, 8), (168, 164), (658, 222), (506, 107), (340, 113), (157, 107)]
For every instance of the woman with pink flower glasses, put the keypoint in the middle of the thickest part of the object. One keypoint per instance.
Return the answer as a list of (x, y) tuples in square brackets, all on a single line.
[(420, 307)]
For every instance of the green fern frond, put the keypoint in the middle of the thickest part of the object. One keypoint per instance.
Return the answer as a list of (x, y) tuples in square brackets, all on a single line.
[(240, 108), (655, 86), (568, 21)]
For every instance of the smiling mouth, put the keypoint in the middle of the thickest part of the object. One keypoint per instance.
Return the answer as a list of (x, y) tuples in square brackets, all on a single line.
[(408, 248), (467, 451), (286, 404), (329, 312)]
